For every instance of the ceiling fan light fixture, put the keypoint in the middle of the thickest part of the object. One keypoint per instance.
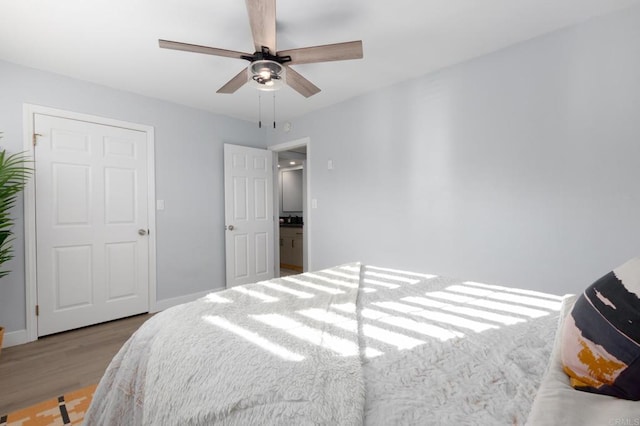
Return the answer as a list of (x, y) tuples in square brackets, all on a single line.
[(266, 75)]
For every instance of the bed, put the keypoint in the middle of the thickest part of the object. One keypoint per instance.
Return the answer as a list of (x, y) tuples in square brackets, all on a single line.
[(349, 345)]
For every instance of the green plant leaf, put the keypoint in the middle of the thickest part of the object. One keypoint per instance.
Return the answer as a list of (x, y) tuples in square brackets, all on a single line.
[(14, 174)]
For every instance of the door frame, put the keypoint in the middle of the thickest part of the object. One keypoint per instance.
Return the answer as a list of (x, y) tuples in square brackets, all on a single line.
[(306, 251), (30, 233)]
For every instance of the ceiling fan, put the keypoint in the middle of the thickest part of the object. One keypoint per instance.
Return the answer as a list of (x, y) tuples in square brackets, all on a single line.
[(268, 66)]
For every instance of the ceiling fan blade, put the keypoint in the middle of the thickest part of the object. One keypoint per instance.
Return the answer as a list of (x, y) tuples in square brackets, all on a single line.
[(300, 84), (176, 45), (262, 19), (325, 53), (235, 83)]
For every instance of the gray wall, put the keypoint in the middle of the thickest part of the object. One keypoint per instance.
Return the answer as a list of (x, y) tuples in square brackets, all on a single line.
[(519, 168), (189, 177)]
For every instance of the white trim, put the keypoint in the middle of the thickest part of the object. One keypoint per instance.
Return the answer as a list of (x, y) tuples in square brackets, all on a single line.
[(30, 205), (276, 214), (14, 338), (161, 305), (151, 203), (19, 337), (285, 146), (31, 294)]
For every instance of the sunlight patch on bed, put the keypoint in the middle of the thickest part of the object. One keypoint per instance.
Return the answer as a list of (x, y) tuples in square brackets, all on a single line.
[(507, 297), (313, 286), (401, 322), (380, 283), (336, 344), (412, 325), (330, 318), (349, 308), (507, 307), (426, 302), (372, 353), (254, 338), (278, 287), (214, 298), (398, 340), (340, 283), (265, 298), (515, 290), (354, 277), (415, 274), (366, 280), (391, 277), (525, 300), (472, 291), (450, 296), (350, 268), (440, 317), (352, 284), (477, 313)]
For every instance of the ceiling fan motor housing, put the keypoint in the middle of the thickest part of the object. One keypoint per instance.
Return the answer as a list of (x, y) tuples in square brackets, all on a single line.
[(266, 74)]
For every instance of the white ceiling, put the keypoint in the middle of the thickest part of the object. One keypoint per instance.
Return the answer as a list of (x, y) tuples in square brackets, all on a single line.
[(115, 42)]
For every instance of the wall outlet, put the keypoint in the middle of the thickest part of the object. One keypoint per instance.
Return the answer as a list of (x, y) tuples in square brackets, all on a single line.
[(330, 165)]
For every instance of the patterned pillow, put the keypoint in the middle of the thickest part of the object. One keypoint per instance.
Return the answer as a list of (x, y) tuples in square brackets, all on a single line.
[(601, 336)]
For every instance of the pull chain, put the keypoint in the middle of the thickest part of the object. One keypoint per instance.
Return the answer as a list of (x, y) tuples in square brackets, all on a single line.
[(274, 110), (259, 110)]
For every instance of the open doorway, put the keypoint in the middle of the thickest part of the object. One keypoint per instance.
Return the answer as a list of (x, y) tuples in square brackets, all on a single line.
[(291, 207)]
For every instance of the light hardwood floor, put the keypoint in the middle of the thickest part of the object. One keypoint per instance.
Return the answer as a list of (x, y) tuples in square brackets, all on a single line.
[(60, 363), (288, 272)]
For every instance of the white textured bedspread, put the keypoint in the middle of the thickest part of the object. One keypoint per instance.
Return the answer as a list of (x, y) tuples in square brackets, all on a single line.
[(343, 346), (464, 353)]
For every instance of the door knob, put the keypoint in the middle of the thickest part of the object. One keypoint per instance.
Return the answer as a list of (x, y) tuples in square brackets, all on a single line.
[(230, 227), (142, 232)]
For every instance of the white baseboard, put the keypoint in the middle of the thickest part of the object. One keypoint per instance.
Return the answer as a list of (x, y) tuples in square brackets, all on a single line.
[(14, 338), (19, 337), (161, 305)]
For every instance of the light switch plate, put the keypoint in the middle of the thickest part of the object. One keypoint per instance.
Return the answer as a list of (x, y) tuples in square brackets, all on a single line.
[(314, 203), (159, 204)]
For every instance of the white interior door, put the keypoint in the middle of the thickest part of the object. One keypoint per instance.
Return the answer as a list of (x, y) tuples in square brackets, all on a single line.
[(248, 199), (92, 223)]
